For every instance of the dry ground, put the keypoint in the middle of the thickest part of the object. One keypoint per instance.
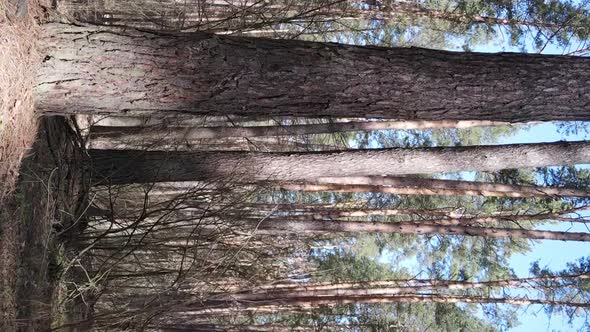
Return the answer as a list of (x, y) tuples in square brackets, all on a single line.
[(17, 132), (18, 64), (49, 197), (40, 191)]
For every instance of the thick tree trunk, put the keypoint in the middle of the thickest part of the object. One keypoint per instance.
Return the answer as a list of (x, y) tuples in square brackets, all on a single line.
[(120, 167), (422, 186), (104, 70), (274, 227)]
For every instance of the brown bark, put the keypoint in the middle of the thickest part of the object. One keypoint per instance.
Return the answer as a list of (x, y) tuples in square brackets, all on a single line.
[(104, 70), (274, 227), (396, 286), (314, 302), (422, 186), (383, 288), (176, 134), (119, 167), (389, 291), (317, 211)]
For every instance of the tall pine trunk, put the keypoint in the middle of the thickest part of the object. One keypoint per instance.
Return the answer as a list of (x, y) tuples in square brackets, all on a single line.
[(444, 227), (120, 135), (422, 186), (105, 70), (128, 166)]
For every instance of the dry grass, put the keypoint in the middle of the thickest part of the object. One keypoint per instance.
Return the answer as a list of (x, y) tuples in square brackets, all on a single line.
[(8, 266), (18, 127), (46, 195), (18, 64)]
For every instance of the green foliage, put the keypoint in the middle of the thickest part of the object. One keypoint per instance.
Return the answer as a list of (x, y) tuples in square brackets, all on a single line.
[(464, 24), (572, 290), (340, 267), (436, 317)]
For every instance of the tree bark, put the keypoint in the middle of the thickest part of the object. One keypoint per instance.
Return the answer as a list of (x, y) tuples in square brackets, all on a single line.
[(103, 70), (385, 288), (128, 166), (314, 302), (319, 211), (395, 286), (422, 186), (176, 134), (274, 227)]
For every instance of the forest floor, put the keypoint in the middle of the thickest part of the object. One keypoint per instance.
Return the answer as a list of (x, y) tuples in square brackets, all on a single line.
[(43, 192), (19, 58), (38, 223)]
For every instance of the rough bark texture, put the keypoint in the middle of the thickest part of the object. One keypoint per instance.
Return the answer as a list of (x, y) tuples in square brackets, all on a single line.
[(124, 71), (127, 166)]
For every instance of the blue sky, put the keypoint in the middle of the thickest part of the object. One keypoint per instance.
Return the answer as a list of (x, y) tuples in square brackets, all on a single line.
[(553, 254)]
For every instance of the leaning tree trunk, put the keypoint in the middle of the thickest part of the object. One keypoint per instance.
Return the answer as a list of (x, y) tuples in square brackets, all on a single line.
[(103, 70), (128, 166)]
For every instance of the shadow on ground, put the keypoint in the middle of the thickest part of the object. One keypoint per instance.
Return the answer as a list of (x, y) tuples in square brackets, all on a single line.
[(36, 225)]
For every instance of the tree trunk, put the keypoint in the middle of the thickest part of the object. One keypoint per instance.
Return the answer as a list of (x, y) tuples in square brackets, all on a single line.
[(274, 227), (113, 135), (103, 70), (364, 289), (422, 186), (393, 286), (320, 211), (314, 302), (127, 166)]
